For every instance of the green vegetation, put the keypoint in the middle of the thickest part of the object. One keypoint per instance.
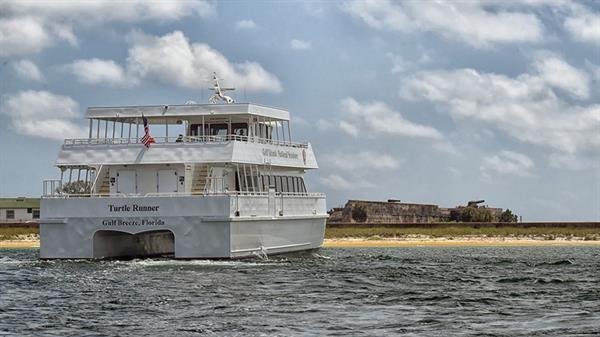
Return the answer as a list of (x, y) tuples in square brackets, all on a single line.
[(453, 231), (359, 214), (508, 216), (13, 233), (76, 187)]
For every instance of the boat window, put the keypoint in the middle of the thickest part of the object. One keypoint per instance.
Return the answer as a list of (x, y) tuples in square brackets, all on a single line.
[(239, 129), (218, 129), (290, 181), (36, 214), (10, 213)]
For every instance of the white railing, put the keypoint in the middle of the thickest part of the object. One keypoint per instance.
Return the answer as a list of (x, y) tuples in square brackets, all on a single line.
[(180, 140), (176, 194), (242, 204), (52, 187)]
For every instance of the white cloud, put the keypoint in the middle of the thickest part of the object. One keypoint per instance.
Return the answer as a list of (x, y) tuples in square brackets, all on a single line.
[(468, 21), (245, 25), (362, 160), (336, 182), (446, 146), (507, 162), (96, 71), (27, 70), (300, 44), (376, 118), (572, 162), (525, 107), (558, 73), (172, 59), (31, 26), (22, 35), (584, 26), (43, 114)]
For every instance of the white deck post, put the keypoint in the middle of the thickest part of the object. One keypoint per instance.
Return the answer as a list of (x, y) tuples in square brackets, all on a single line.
[(91, 124), (203, 126), (98, 129), (245, 178), (289, 132), (114, 127), (137, 130), (167, 130)]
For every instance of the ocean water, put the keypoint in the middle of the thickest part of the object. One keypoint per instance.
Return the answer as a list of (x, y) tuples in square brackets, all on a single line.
[(446, 291)]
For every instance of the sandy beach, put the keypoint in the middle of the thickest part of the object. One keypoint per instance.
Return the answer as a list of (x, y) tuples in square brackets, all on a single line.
[(19, 244), (456, 242), (467, 241)]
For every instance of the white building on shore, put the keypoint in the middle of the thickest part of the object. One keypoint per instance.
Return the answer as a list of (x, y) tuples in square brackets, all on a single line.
[(16, 210)]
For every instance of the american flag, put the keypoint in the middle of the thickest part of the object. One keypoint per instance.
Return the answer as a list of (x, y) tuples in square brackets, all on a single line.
[(147, 139)]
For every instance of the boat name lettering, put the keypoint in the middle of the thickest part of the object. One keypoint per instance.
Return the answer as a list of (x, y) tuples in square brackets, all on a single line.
[(133, 222), (279, 153), (132, 208)]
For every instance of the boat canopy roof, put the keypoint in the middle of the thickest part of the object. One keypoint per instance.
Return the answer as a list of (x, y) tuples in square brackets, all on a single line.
[(160, 112)]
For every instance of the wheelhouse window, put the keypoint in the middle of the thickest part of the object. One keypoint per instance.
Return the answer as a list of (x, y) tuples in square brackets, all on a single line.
[(10, 213), (221, 129), (35, 214), (239, 129)]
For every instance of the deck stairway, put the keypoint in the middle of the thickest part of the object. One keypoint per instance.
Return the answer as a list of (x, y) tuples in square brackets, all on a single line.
[(104, 182), (199, 173)]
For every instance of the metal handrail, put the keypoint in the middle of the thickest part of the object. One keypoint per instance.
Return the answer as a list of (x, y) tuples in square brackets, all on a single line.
[(185, 194), (98, 174), (69, 142)]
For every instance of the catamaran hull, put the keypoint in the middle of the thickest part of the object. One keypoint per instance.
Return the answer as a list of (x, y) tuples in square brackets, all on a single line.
[(182, 227)]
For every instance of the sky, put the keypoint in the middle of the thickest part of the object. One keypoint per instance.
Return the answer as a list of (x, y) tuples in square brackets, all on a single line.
[(423, 101)]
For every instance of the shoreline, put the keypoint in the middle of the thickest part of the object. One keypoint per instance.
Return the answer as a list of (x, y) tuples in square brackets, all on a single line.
[(454, 242), (467, 241)]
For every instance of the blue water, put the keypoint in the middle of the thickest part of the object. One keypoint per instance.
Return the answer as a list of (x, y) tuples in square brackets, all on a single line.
[(450, 291)]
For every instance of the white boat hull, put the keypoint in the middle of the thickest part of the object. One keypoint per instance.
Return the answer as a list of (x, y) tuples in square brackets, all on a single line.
[(186, 227)]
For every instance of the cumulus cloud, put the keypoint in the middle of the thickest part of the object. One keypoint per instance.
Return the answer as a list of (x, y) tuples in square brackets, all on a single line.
[(22, 35), (43, 114), (300, 44), (97, 71), (525, 107), (31, 26), (507, 162), (572, 162), (558, 73), (336, 182), (362, 160), (376, 118), (583, 25), (27, 70), (467, 21), (245, 25), (172, 59)]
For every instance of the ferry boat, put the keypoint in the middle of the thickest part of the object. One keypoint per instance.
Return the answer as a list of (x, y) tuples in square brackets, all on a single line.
[(231, 185)]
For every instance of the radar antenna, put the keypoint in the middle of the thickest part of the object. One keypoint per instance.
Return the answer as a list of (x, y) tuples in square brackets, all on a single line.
[(219, 92)]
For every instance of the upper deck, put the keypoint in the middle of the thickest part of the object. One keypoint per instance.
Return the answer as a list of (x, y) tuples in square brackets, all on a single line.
[(191, 133), (156, 113)]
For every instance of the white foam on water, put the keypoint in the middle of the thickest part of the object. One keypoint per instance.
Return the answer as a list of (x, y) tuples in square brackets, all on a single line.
[(186, 263)]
